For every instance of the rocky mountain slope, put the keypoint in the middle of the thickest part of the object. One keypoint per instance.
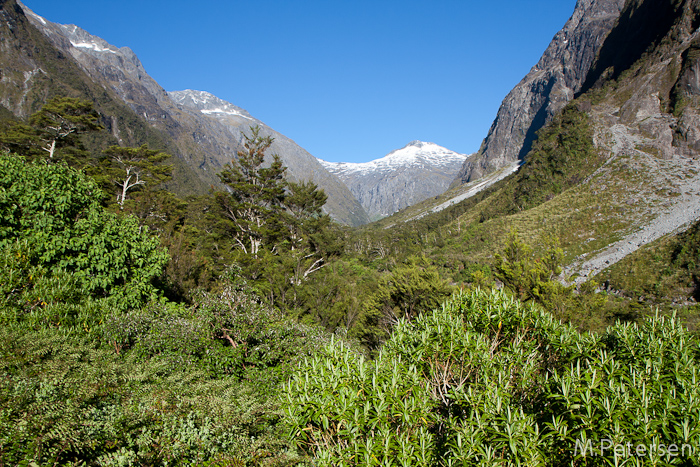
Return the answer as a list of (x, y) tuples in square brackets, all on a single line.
[(551, 83), (621, 172), (402, 178), (646, 105), (205, 140)]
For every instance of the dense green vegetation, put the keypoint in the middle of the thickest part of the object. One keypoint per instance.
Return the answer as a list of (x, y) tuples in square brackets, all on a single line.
[(485, 380), (99, 367), (243, 327)]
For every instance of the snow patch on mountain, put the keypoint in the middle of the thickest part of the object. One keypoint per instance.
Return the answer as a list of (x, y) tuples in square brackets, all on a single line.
[(93, 46), (208, 103), (414, 154), (34, 15), (402, 178)]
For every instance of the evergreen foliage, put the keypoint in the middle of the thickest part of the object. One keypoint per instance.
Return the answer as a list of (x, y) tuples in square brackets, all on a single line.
[(157, 386), (561, 157), (538, 278), (410, 289), (486, 380), (98, 369), (254, 203), (114, 351), (278, 227), (53, 131), (134, 168)]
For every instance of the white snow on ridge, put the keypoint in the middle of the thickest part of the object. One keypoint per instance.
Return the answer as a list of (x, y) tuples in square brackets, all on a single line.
[(225, 112), (37, 17), (414, 153), (208, 103), (93, 46)]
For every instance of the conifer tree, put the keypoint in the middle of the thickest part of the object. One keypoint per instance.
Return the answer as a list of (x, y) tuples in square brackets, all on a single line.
[(53, 132), (306, 222), (256, 194), (61, 120)]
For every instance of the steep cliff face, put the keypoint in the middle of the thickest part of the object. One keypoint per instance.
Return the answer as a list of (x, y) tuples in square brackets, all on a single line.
[(33, 70), (402, 178), (205, 140), (651, 94), (21, 70), (553, 82)]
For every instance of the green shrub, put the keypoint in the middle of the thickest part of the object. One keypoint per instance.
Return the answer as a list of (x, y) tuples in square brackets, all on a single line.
[(226, 334), (165, 384), (55, 211), (486, 380), (64, 402)]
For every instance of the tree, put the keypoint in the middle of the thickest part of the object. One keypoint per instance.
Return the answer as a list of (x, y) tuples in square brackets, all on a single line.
[(53, 131), (532, 277), (306, 223), (256, 193), (137, 167), (278, 226), (56, 210), (410, 289), (528, 276), (61, 120)]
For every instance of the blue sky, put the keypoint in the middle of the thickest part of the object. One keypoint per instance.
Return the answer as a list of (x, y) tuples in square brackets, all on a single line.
[(349, 80)]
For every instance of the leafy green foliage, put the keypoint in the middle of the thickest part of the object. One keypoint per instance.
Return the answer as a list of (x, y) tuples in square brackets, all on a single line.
[(60, 121), (257, 193), (539, 278), (53, 132), (279, 232), (225, 334), (163, 384), (486, 380), (55, 209), (410, 289), (65, 402), (561, 157)]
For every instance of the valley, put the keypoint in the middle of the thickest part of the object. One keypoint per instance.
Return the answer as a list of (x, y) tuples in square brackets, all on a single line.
[(181, 284)]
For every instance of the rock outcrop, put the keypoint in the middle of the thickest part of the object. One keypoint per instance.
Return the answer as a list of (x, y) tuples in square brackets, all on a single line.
[(549, 85)]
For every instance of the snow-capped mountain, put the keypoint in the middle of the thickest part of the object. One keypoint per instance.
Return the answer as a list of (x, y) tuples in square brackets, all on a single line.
[(402, 178), (209, 104)]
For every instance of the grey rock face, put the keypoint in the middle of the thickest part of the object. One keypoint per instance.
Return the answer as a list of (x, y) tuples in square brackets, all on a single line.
[(402, 178), (547, 88), (207, 139)]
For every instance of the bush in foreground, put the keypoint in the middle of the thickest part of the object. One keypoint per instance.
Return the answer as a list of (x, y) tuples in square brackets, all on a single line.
[(486, 380)]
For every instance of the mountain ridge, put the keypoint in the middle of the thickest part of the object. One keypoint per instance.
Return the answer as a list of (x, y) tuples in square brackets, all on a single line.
[(205, 142), (402, 178), (550, 84)]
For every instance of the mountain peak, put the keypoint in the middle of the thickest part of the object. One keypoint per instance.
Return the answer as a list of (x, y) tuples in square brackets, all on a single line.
[(403, 177), (208, 104), (417, 151)]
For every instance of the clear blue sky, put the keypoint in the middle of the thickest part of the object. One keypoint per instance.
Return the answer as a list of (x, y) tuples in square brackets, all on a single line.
[(348, 80)]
